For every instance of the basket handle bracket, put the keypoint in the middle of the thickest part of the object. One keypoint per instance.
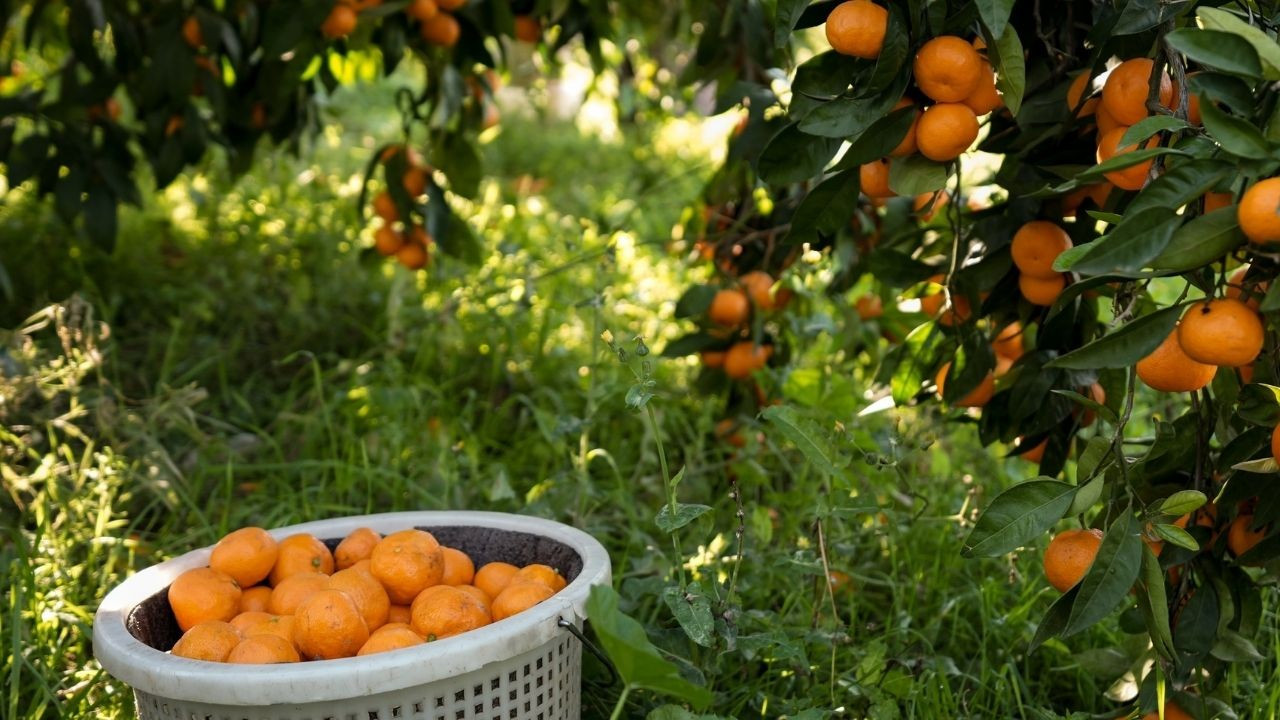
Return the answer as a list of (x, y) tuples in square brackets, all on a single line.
[(593, 649)]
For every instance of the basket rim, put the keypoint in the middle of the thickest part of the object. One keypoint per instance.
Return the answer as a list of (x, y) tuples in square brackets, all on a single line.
[(159, 673)]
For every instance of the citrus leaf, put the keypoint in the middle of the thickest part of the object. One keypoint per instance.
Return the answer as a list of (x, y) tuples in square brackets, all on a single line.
[(919, 349), (1017, 516), (1103, 411), (788, 14), (995, 14), (1088, 494), (911, 176), (1010, 66), (1124, 347), (1133, 243), (1154, 604), (1113, 572), (1264, 466), (827, 208), (1201, 241), (1218, 50), (1147, 127), (1182, 502), (1117, 162), (1176, 535), (1055, 620), (807, 436), (1236, 135), (843, 117), (792, 156), (1268, 52), (1231, 646)]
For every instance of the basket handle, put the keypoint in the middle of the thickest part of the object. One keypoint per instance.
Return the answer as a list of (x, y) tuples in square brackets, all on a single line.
[(593, 649)]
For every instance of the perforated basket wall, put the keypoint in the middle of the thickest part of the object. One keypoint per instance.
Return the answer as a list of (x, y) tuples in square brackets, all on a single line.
[(526, 667)]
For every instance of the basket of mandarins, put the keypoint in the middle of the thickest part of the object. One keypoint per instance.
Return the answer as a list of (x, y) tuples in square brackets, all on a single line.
[(433, 615)]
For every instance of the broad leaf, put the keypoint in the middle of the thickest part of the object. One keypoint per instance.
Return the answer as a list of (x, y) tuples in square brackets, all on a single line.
[(692, 609), (1176, 535), (1114, 570), (1017, 516), (1182, 502), (788, 13), (806, 436), (1268, 51), (1155, 604), (1218, 50), (792, 156), (1055, 620), (1201, 241), (685, 514), (1236, 135), (914, 175), (1130, 246), (1124, 347), (919, 349), (1010, 66), (826, 209), (995, 14), (1147, 127)]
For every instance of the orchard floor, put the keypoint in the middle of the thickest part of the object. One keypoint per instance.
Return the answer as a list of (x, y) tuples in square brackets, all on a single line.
[(242, 359)]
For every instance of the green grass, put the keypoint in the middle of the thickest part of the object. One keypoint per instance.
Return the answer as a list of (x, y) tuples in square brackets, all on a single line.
[(241, 359)]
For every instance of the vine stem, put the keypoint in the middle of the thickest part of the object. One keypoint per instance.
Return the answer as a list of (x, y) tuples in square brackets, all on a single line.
[(671, 490), (622, 701)]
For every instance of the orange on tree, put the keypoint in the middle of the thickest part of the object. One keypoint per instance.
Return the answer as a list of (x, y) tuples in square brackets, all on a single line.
[(441, 30), (356, 546), (387, 242), (255, 598), (263, 650), (329, 626), (203, 594), (1169, 369), (869, 307), (1036, 246), (1069, 556), (1171, 712), (1275, 444), (540, 573), (518, 597), (458, 567), (873, 177), (406, 563), (946, 130), (392, 636), (906, 146), (1259, 212), (528, 29), (1008, 342), (1125, 92), (713, 359), (301, 553), (932, 304), (976, 397), (341, 22), (1106, 123), (1217, 201), (1249, 294), (192, 33), (1042, 291), (1079, 85), (1096, 393), (412, 256), (759, 287), (294, 590), (1035, 453), (415, 181), (450, 5), (247, 555), (422, 9), (444, 611), (212, 640), (730, 307), (947, 69), (928, 204), (985, 98), (1133, 177), (744, 358), (494, 577), (1241, 537), (857, 28), (385, 207), (1221, 332), (366, 592)]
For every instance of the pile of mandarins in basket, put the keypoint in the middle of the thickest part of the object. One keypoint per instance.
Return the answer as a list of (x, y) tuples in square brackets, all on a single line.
[(263, 601)]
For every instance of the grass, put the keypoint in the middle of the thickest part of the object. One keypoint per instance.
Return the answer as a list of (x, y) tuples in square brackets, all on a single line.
[(241, 359)]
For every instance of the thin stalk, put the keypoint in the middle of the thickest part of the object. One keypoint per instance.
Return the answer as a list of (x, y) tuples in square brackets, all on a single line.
[(622, 701), (672, 504)]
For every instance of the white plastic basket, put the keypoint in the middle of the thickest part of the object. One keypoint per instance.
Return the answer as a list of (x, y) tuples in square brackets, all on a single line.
[(526, 667)]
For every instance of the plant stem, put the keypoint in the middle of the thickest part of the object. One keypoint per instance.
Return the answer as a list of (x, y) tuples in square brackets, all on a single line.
[(622, 701), (672, 505)]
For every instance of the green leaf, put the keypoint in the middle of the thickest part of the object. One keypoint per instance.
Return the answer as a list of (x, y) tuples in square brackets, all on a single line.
[(911, 176), (1155, 604), (1114, 570), (1262, 466), (1268, 52), (1055, 620), (995, 14), (919, 348), (460, 161), (1201, 241), (843, 117), (1182, 502), (1236, 135), (1088, 494), (1017, 516), (639, 394), (692, 609), (695, 301), (1218, 50), (1176, 535), (788, 13), (1130, 246), (638, 662), (792, 156), (826, 209), (1147, 127), (1231, 646), (1124, 347), (878, 140), (807, 436), (1095, 452), (685, 514), (1102, 411), (1011, 74)]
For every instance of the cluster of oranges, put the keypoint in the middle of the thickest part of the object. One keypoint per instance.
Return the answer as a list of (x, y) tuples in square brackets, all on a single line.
[(261, 601), (411, 243), (436, 23), (1035, 247), (730, 311)]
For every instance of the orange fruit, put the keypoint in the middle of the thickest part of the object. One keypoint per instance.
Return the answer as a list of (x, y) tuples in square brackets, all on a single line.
[(1078, 87), (727, 430), (1221, 332), (341, 22), (1036, 453), (907, 145), (869, 307), (977, 397), (1241, 538), (528, 29), (1217, 201), (392, 636), (544, 574), (743, 359), (1171, 712), (1003, 365), (192, 33), (1169, 369), (1249, 294), (932, 303), (494, 577), (478, 594), (406, 563), (366, 592), (874, 179), (985, 98), (294, 590), (444, 611), (450, 4), (263, 650), (414, 181), (1097, 394), (1069, 555), (1041, 291), (729, 307), (946, 130), (1106, 123), (385, 207), (279, 625), (1133, 177), (173, 125), (759, 287), (1036, 246), (212, 640), (247, 620), (1008, 342), (398, 614), (356, 546), (1259, 211), (930, 204), (258, 116), (328, 626), (1124, 95), (422, 9), (247, 555), (713, 359), (299, 554), (519, 597), (442, 29), (948, 69), (1275, 443), (458, 568), (255, 599), (412, 255), (203, 594), (857, 28)]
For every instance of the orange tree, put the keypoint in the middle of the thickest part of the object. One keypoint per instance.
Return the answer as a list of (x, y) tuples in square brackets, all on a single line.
[(1113, 249)]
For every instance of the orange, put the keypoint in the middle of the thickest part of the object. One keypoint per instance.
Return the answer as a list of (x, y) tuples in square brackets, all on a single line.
[(874, 179), (294, 590), (1247, 293), (192, 33), (727, 430), (279, 625), (255, 599), (744, 358), (247, 620), (759, 287), (341, 22), (1259, 211), (385, 207), (406, 563), (422, 9), (857, 28), (247, 555), (1125, 93), (1217, 201), (328, 626), (258, 116), (414, 181), (1171, 712), (212, 640), (528, 29), (932, 303), (301, 553), (729, 307), (356, 546), (977, 397), (366, 592), (1221, 332), (441, 30), (544, 574), (263, 650), (1106, 123), (1069, 555), (869, 307), (907, 145), (930, 204), (1097, 394), (1157, 545), (1241, 538), (1036, 245), (1275, 443), (1036, 453), (948, 69), (712, 358), (413, 256), (519, 597), (444, 611), (1079, 85), (450, 4), (946, 130), (1169, 369), (1003, 365), (478, 594), (494, 577), (203, 594), (1133, 177), (1041, 291), (985, 98), (398, 614), (392, 636), (1008, 342), (458, 568), (173, 125)]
